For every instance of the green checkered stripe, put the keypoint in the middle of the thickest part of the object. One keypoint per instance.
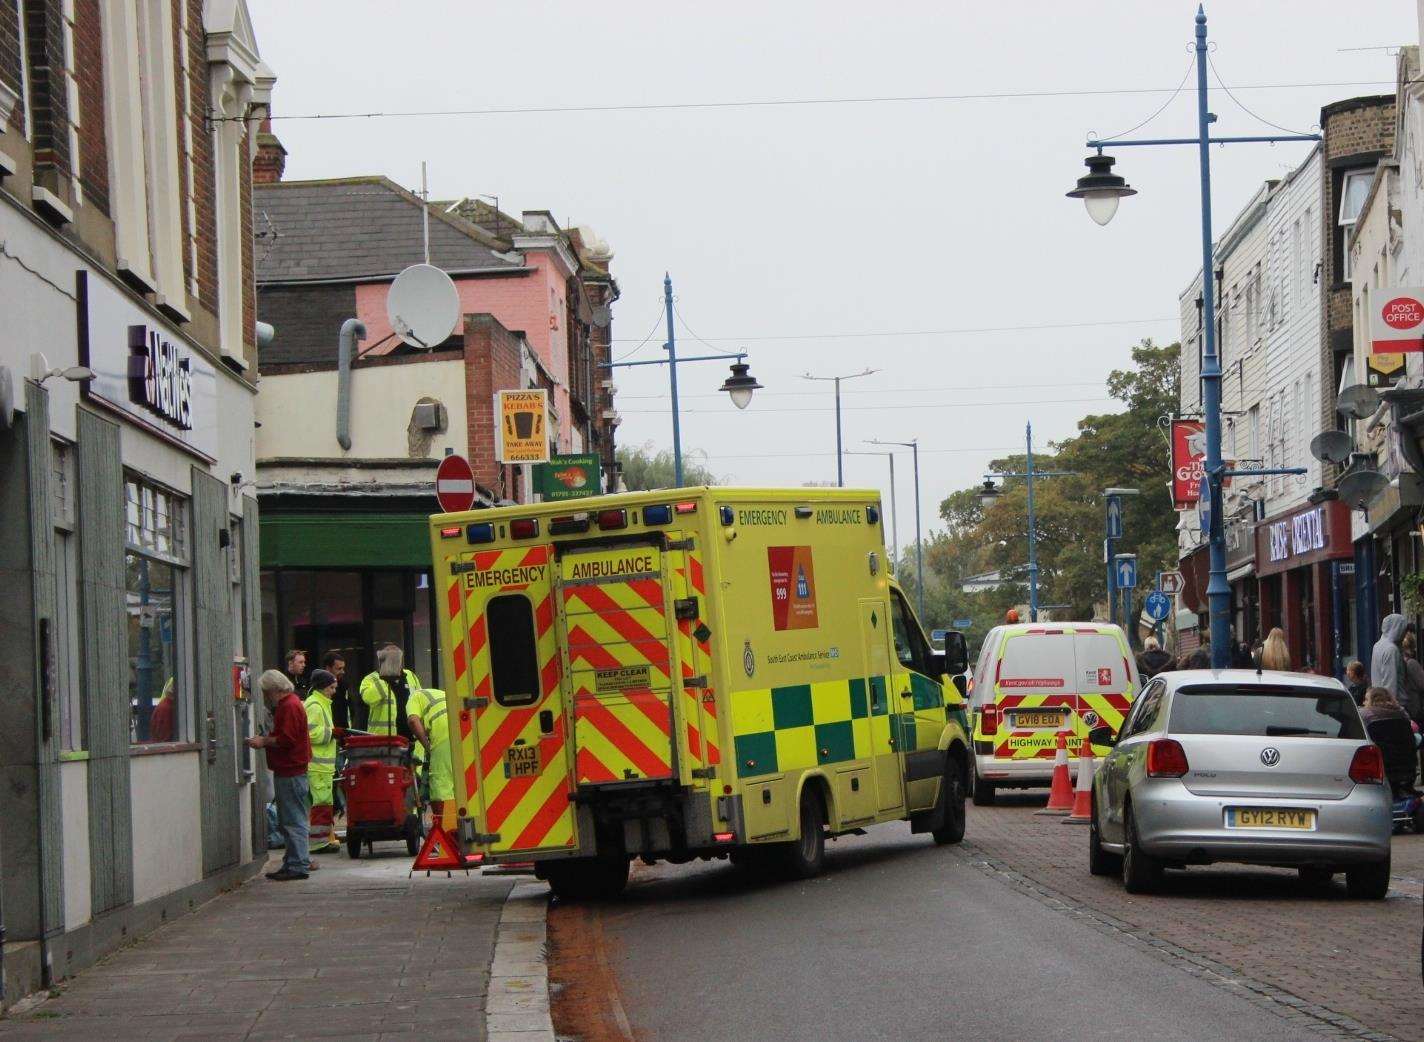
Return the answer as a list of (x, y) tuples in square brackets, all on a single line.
[(833, 721)]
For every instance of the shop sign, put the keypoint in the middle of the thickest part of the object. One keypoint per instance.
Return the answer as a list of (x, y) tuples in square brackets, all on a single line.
[(145, 369), (1310, 535), (522, 430), (1397, 322), (568, 476), (1188, 452)]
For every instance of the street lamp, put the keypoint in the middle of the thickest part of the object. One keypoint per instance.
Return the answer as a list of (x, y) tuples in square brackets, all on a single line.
[(739, 386), (914, 446), (840, 470), (988, 493), (1101, 191)]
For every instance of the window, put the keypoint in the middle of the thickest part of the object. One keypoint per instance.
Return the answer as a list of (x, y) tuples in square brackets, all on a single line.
[(1297, 266), (1253, 433), (155, 560), (66, 601), (910, 646), (1266, 712), (514, 660), (1353, 189), (1145, 711)]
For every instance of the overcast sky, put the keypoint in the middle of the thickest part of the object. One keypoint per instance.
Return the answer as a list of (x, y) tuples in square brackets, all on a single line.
[(808, 234)]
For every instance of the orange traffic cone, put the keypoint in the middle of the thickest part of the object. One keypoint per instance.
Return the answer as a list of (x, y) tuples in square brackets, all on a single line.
[(1060, 796), (1083, 794)]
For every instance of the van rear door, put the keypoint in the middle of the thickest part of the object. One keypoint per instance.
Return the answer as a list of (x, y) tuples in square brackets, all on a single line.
[(1107, 682), (1034, 691), (618, 620), (515, 755)]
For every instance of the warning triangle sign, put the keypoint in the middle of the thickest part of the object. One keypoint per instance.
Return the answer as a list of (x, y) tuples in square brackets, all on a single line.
[(439, 851)]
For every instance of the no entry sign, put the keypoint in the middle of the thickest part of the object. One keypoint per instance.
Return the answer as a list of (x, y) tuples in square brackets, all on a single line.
[(455, 484)]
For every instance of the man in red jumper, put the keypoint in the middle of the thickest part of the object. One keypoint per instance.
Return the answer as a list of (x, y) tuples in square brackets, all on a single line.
[(288, 754)]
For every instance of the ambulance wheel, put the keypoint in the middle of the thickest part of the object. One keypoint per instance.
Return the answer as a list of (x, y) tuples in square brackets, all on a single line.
[(983, 792), (587, 879), (806, 857), (353, 846), (951, 796), (1100, 862), (1141, 872)]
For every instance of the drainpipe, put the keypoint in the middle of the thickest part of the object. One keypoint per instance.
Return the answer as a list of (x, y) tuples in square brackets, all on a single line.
[(352, 330)]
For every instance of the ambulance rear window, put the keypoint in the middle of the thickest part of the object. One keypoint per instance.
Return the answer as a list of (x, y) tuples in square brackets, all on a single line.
[(514, 658)]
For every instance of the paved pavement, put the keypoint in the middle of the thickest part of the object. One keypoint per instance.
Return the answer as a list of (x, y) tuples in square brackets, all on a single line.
[(1009, 937), (358, 951)]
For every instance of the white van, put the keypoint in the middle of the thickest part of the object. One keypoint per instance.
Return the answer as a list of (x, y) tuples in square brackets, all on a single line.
[(1031, 681)]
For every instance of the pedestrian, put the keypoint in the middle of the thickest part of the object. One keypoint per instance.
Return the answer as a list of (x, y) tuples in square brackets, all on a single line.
[(1198, 659), (1274, 652), (1380, 704), (288, 750), (342, 712), (321, 773), (1152, 660), (386, 690), (1241, 655), (294, 665), (430, 723), (1356, 682), (1410, 696), (1386, 660)]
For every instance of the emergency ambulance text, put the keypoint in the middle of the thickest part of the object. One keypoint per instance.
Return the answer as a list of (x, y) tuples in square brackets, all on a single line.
[(522, 576), (608, 569)]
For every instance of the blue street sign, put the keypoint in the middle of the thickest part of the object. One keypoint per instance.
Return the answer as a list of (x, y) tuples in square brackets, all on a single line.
[(1126, 565), (963, 624), (1114, 518), (1157, 605)]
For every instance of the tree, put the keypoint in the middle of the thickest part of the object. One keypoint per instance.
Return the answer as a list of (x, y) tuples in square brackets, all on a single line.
[(644, 468), (1113, 449)]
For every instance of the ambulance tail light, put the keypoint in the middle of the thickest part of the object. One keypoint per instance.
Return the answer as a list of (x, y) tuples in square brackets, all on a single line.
[(453, 532), (609, 520), (483, 532), (989, 720), (658, 515), (686, 508), (524, 528), (724, 837), (569, 524), (1166, 759), (474, 859)]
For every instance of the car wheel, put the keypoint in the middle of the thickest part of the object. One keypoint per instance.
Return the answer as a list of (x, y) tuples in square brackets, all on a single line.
[(1315, 876), (806, 856), (983, 792), (951, 796), (1368, 882), (1417, 819), (1141, 872), (1100, 862)]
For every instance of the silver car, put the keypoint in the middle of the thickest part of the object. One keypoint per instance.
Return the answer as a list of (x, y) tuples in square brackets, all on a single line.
[(1238, 765)]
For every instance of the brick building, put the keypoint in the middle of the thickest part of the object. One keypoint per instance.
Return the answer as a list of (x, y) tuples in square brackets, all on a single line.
[(345, 553), (127, 537)]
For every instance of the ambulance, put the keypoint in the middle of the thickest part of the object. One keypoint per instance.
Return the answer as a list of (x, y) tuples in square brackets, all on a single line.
[(1033, 680), (698, 673)]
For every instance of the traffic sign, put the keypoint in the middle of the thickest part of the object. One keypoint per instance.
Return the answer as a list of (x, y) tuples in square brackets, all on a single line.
[(1157, 605), (963, 624), (1126, 571), (455, 484), (1114, 518), (1170, 583)]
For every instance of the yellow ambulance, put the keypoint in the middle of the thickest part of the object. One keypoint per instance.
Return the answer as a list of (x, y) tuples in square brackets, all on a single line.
[(685, 674)]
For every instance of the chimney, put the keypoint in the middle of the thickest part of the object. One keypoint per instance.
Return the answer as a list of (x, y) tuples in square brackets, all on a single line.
[(271, 158)]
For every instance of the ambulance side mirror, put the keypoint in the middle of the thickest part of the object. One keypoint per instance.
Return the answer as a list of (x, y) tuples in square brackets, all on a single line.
[(956, 653)]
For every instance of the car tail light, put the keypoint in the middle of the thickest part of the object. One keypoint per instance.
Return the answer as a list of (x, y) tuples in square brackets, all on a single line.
[(989, 720), (1367, 766), (524, 528), (609, 519), (657, 515), (1166, 759)]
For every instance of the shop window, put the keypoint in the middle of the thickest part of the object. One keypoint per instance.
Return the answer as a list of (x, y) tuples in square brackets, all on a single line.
[(514, 660), (157, 609)]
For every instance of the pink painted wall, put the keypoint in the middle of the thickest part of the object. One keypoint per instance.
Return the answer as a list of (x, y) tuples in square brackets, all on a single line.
[(532, 302)]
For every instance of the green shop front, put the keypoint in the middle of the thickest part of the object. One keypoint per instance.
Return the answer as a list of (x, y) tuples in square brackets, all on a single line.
[(346, 577)]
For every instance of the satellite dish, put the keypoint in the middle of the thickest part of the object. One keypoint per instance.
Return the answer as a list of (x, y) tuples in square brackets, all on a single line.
[(1359, 488), (423, 306), (602, 315), (1358, 401), (1332, 446)]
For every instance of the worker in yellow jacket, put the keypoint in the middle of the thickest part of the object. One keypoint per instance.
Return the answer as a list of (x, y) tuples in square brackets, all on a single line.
[(387, 690), (321, 771), (430, 723)]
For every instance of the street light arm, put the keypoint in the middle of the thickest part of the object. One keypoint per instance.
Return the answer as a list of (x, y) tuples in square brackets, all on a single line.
[(1237, 140), (669, 361)]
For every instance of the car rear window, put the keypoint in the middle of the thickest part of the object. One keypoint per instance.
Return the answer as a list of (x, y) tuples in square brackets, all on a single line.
[(1280, 712)]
